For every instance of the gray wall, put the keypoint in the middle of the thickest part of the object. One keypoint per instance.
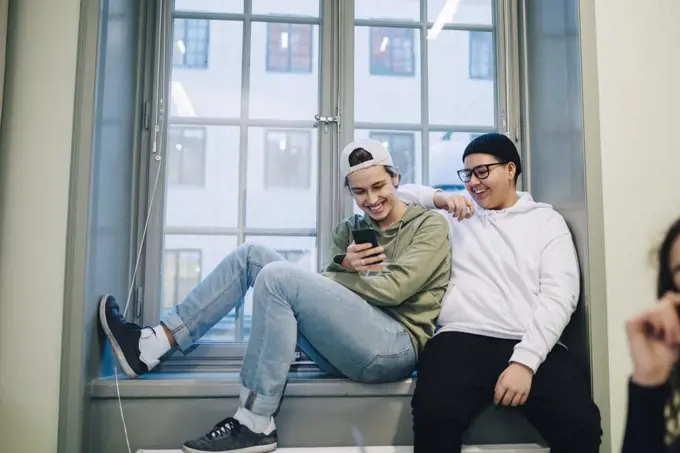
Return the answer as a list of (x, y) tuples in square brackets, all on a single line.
[(555, 169)]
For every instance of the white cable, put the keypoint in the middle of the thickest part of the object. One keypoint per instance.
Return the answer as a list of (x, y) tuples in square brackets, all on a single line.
[(132, 285)]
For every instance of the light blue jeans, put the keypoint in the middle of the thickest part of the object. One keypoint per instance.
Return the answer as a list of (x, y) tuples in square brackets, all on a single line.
[(340, 331)]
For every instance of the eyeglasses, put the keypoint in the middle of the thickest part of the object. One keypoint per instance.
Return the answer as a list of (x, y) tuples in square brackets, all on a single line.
[(480, 171)]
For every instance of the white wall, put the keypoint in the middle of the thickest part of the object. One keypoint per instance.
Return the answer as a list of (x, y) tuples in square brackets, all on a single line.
[(34, 183), (639, 68)]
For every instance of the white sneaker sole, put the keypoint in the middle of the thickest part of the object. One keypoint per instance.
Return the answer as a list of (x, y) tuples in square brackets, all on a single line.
[(114, 344), (256, 449)]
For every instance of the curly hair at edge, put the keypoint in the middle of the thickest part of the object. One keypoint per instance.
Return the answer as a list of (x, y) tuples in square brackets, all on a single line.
[(665, 283)]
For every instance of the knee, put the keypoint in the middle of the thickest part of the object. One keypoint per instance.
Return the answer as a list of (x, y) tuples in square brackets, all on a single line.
[(275, 277), (253, 251), (278, 271)]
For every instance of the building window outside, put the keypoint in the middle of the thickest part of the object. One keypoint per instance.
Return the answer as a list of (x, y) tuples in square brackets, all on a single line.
[(181, 274), (191, 43), (289, 48), (186, 153), (287, 159), (401, 146), (481, 55), (392, 51)]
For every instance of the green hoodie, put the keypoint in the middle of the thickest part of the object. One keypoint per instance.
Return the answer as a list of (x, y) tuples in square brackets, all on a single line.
[(411, 286)]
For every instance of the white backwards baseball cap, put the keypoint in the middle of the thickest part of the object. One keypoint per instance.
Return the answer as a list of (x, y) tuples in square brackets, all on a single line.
[(379, 152)]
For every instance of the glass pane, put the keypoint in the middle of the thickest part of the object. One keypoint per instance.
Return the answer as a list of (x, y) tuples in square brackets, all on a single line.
[(206, 74), (478, 12), (290, 8), (462, 78), (387, 75), (284, 73), (387, 9), (202, 176), (282, 178), (446, 158), (300, 250), (170, 298), (189, 259), (405, 148), (212, 6)]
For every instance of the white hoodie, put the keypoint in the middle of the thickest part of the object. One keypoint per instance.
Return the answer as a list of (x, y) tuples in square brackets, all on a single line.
[(514, 274)]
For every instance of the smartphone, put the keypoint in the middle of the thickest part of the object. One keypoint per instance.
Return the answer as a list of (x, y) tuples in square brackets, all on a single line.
[(366, 235)]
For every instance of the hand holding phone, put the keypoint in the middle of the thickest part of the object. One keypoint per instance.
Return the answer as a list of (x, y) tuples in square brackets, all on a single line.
[(366, 255)]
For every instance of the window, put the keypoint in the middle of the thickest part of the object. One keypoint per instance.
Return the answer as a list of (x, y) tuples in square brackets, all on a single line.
[(186, 156), (191, 43), (181, 273), (244, 160), (287, 160), (481, 55), (401, 146), (289, 47), (392, 51)]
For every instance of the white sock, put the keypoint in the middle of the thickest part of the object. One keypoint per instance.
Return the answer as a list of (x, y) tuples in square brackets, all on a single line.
[(256, 422), (152, 345)]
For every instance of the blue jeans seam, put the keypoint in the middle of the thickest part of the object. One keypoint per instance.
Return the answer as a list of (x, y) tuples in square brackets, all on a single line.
[(265, 336), (386, 356)]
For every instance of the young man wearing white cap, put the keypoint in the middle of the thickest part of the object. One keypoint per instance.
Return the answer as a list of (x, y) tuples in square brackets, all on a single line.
[(367, 326)]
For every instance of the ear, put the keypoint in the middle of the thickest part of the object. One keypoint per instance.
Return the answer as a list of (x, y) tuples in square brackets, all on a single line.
[(395, 179), (512, 170)]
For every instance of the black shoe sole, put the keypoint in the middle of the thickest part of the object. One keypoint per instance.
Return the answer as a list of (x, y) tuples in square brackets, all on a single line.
[(127, 369)]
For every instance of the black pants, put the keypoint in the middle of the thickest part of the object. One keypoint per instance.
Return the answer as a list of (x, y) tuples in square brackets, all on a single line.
[(457, 374)]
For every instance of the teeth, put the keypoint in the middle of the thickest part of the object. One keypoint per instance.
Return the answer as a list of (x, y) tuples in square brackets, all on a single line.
[(376, 208), (478, 191)]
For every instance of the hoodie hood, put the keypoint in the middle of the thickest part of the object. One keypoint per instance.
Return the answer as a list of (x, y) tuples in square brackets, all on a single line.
[(412, 212), (390, 235)]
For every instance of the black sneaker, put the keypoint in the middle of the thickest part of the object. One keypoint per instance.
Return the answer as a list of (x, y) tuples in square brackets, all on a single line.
[(124, 337), (230, 436)]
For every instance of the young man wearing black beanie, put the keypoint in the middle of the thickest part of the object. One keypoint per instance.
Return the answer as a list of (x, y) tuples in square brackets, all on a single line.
[(514, 286)]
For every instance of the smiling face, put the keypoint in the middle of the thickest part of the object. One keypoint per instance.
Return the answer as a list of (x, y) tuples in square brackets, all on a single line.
[(491, 182), (375, 191)]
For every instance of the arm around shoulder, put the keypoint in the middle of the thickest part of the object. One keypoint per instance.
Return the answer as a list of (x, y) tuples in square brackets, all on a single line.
[(417, 194)]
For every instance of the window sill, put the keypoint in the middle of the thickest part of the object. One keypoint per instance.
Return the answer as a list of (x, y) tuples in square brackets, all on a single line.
[(227, 385)]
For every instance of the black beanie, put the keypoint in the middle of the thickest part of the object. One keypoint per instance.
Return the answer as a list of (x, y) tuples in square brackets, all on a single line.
[(497, 145)]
